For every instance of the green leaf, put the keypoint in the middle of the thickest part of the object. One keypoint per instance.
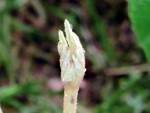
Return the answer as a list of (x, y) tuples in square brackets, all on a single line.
[(140, 18)]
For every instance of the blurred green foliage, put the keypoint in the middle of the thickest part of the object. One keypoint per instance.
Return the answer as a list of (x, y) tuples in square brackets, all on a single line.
[(100, 28), (140, 19), (38, 22), (128, 99)]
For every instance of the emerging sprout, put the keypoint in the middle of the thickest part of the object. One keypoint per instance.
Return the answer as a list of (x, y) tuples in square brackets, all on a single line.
[(72, 59), (72, 63)]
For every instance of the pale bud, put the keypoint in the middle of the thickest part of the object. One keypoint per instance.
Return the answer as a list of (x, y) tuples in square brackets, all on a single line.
[(72, 59)]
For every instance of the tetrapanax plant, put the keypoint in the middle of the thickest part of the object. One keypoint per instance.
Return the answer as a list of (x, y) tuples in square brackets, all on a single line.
[(72, 63)]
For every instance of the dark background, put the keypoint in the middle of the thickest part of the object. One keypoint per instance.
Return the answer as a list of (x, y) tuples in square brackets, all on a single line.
[(116, 80)]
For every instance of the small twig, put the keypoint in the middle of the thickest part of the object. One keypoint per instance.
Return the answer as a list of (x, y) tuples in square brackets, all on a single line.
[(40, 10), (127, 70)]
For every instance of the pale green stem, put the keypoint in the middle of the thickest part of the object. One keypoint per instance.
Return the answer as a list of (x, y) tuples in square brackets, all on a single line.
[(70, 98)]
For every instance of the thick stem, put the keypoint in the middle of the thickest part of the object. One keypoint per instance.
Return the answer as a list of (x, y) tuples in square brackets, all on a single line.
[(70, 98)]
